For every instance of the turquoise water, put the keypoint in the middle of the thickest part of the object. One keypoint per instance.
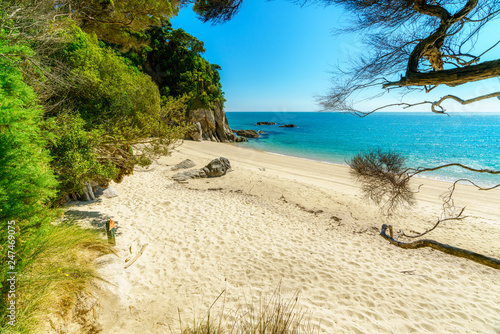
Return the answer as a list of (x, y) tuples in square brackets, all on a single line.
[(424, 138)]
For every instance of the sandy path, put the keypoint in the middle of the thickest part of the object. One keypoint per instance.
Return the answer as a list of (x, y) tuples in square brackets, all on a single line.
[(250, 231)]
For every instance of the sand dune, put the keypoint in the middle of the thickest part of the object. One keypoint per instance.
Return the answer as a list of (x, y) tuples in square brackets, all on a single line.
[(298, 224)]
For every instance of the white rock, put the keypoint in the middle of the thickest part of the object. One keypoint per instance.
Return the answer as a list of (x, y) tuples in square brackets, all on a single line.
[(109, 192)]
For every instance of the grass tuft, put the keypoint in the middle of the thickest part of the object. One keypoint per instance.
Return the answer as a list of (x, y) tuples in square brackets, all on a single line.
[(273, 316), (57, 265)]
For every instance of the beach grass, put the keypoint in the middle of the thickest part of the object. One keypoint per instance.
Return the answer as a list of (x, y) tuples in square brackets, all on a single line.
[(58, 266), (273, 315)]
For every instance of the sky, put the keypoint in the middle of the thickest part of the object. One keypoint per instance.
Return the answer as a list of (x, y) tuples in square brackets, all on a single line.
[(278, 56)]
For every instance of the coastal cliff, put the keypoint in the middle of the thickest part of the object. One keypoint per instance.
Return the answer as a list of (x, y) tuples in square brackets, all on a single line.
[(211, 125)]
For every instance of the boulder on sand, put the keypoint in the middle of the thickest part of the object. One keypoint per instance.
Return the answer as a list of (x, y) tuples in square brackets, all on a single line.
[(215, 168)]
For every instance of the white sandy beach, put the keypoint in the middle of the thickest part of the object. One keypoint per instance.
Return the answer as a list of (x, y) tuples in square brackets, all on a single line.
[(298, 224)]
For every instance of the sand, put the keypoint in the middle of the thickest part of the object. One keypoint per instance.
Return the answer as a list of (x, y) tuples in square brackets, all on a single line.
[(299, 225)]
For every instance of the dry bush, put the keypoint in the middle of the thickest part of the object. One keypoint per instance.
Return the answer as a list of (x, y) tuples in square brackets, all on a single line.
[(384, 178)]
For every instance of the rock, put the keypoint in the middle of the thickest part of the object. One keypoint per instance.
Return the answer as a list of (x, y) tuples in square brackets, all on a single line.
[(205, 119), (87, 193), (109, 192), (210, 125), (196, 133), (289, 126), (266, 123), (98, 191), (188, 163), (261, 132), (190, 174), (215, 168), (247, 133), (241, 139), (222, 128)]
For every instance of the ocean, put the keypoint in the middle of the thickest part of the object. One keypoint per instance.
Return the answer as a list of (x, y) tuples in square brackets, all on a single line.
[(424, 138)]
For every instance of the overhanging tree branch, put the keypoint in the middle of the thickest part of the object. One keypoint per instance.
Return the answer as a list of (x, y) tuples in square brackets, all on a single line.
[(451, 77)]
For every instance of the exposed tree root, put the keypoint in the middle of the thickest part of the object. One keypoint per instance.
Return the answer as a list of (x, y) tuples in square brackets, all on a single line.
[(487, 261)]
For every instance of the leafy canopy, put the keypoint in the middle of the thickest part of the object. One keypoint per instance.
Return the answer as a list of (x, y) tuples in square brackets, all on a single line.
[(174, 60)]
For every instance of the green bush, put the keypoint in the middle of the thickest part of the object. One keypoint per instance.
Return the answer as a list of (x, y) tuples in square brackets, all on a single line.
[(174, 59), (75, 154), (111, 108), (27, 184)]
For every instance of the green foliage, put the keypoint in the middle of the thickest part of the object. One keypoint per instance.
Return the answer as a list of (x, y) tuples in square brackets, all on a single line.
[(110, 108), (27, 183), (74, 152), (118, 22), (123, 22), (216, 11), (111, 93), (179, 69)]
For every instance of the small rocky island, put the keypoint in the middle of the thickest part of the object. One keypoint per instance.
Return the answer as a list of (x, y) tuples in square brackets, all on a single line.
[(247, 133)]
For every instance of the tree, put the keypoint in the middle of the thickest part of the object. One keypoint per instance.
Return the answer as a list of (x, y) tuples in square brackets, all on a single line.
[(413, 44), (108, 110), (27, 184), (174, 60), (215, 11), (97, 105), (386, 180), (120, 22), (417, 44)]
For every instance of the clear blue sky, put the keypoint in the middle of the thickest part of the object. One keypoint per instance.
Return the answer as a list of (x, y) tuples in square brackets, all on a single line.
[(276, 56)]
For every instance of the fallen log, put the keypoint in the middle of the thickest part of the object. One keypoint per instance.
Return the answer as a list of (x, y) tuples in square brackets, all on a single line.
[(485, 260)]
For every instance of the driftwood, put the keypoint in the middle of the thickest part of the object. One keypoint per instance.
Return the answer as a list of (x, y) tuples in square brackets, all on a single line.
[(487, 261), (131, 254), (136, 257)]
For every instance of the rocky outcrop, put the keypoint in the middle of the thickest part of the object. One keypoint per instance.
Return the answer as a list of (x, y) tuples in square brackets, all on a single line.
[(196, 132), (185, 164), (210, 125), (215, 168), (266, 123), (247, 133), (289, 126)]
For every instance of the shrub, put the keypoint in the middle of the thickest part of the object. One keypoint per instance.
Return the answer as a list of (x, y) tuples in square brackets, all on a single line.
[(110, 119), (74, 152), (27, 183), (383, 177)]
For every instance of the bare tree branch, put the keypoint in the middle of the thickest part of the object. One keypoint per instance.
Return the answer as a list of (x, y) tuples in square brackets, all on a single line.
[(485, 260), (451, 77)]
